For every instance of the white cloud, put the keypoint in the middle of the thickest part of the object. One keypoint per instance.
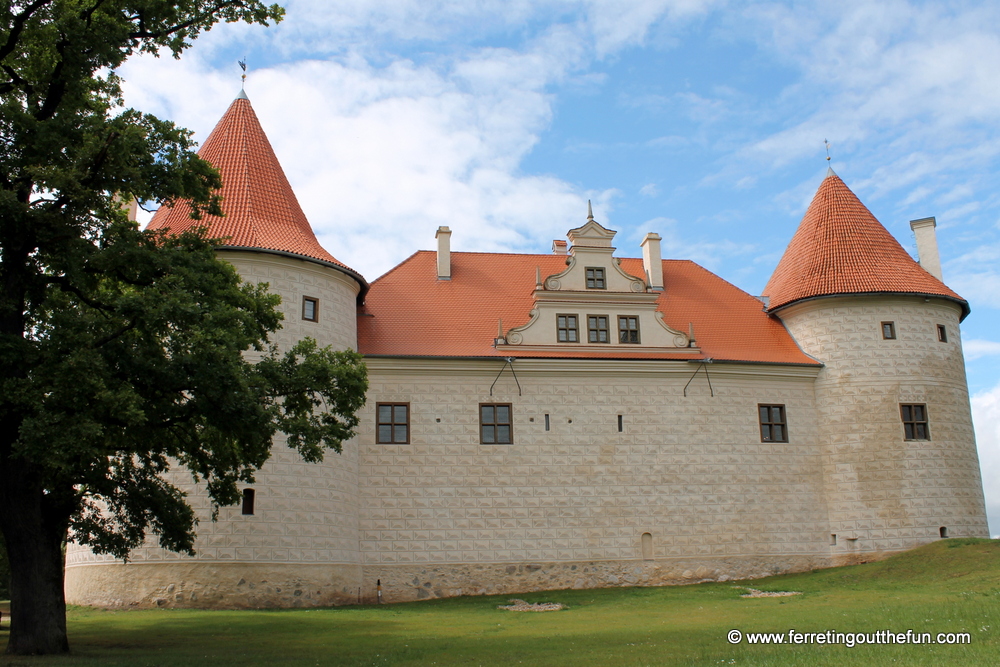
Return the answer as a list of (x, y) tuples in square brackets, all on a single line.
[(974, 349), (986, 417), (649, 190)]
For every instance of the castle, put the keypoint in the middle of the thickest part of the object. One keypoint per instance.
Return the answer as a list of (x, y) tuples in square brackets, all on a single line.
[(574, 419)]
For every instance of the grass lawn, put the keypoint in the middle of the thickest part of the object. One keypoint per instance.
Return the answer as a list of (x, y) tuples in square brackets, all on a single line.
[(948, 586)]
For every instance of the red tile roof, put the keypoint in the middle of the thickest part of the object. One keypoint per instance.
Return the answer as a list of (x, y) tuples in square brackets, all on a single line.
[(261, 209), (409, 312), (840, 248)]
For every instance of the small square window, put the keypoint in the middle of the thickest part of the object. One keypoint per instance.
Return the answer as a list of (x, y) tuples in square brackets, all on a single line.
[(597, 329), (942, 333), (495, 424), (628, 329), (889, 330), (310, 309), (392, 423), (772, 423), (595, 277), (566, 329), (915, 425)]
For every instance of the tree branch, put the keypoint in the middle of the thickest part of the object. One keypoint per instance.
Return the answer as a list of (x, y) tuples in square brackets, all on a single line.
[(18, 25)]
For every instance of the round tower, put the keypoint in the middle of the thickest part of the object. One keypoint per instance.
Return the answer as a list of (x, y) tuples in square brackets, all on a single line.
[(294, 541), (899, 451)]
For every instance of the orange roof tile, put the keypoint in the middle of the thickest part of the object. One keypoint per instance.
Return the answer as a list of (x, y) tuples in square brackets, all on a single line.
[(409, 312), (841, 248), (261, 209)]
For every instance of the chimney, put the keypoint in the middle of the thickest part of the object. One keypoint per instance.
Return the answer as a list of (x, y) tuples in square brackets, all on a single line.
[(652, 262), (443, 237), (927, 248), (558, 247)]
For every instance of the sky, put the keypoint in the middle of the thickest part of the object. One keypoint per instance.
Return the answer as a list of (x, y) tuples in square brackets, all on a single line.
[(701, 120)]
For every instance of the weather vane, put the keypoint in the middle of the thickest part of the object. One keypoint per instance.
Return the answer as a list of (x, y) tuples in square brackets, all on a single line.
[(243, 66), (824, 141)]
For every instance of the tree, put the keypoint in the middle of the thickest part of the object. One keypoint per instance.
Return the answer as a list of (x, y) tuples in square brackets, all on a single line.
[(121, 351)]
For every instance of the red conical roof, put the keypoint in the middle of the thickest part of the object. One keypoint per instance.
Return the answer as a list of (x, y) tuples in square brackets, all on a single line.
[(261, 210), (841, 248)]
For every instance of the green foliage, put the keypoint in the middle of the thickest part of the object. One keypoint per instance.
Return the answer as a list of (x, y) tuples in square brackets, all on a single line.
[(672, 625), (122, 352)]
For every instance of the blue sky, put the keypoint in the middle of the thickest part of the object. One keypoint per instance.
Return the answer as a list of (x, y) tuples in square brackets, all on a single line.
[(701, 120)]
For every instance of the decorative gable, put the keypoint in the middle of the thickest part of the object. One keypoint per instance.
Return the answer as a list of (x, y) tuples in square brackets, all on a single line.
[(594, 304)]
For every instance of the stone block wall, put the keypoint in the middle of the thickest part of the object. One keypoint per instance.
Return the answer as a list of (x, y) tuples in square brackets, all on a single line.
[(885, 492)]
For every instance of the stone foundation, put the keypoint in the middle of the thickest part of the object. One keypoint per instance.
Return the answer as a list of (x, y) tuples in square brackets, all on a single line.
[(212, 585), (271, 585)]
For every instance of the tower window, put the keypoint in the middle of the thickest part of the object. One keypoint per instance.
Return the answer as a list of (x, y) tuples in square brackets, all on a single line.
[(595, 277), (248, 498), (914, 421), (943, 532), (566, 329), (772, 423), (889, 330), (495, 424), (597, 329), (942, 333), (546, 422), (621, 424), (628, 329), (310, 309), (393, 427)]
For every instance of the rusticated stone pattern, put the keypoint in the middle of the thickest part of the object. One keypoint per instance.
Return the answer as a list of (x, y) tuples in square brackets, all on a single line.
[(304, 513), (206, 585), (691, 471), (294, 279), (883, 492)]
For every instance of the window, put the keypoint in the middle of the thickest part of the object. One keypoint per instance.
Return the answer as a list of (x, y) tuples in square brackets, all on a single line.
[(595, 277), (628, 329), (915, 421), (393, 427), (597, 328), (566, 329), (621, 424), (495, 424), (943, 532), (310, 309), (942, 333), (546, 422), (248, 498), (889, 330), (772, 423)]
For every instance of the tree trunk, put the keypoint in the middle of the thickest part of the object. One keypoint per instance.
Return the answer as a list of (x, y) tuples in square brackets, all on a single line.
[(34, 529)]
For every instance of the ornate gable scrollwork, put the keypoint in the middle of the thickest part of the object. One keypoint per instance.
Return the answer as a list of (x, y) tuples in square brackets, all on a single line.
[(567, 300)]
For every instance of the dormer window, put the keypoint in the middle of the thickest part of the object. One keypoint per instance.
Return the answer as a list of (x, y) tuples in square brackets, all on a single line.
[(595, 278), (567, 330), (628, 329)]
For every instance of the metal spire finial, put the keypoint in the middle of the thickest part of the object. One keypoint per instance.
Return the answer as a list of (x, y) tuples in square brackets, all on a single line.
[(243, 66), (829, 169), (590, 211)]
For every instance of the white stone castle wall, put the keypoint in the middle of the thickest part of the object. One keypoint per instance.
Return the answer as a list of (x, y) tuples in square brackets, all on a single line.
[(304, 532), (446, 515), (885, 493)]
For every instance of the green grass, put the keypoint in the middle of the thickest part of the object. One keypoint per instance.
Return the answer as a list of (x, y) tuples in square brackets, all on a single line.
[(949, 586)]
